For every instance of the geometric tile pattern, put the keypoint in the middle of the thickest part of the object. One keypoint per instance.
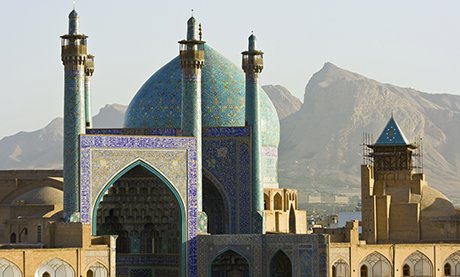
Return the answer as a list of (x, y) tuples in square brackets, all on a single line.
[(158, 102), (225, 160), (307, 253), (102, 157), (245, 189), (138, 132), (74, 125)]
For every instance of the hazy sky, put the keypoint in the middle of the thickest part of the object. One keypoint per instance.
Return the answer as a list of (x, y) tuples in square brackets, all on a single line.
[(412, 43)]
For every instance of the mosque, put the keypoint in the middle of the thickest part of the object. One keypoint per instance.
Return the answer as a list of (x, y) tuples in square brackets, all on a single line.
[(189, 187)]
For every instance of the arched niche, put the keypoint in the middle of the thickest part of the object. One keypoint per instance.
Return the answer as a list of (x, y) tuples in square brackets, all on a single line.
[(452, 264), (280, 265), (266, 202), (375, 265), (97, 270), (230, 264), (55, 268), (215, 205), (146, 212), (8, 269), (418, 265), (340, 268), (278, 201)]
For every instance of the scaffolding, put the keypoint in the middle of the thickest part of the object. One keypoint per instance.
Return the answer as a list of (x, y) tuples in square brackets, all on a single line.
[(366, 150), (417, 154)]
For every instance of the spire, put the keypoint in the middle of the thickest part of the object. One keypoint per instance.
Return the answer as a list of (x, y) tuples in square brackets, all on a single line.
[(192, 29), (73, 23), (392, 134), (252, 42)]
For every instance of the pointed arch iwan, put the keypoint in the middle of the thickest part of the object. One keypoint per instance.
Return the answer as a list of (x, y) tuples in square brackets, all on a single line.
[(165, 181)]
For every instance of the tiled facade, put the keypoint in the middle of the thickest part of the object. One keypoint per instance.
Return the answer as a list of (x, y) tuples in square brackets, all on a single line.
[(307, 253), (104, 157), (158, 103)]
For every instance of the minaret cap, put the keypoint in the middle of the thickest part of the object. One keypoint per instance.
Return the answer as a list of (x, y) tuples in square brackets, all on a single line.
[(252, 42), (73, 14), (73, 22), (192, 29)]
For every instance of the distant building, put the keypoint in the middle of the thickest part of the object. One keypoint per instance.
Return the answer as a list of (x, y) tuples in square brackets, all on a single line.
[(314, 199), (341, 199), (408, 228)]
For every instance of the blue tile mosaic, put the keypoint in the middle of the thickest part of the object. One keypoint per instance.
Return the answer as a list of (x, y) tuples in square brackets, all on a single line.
[(135, 132), (227, 132), (74, 118), (245, 192), (118, 143), (158, 102)]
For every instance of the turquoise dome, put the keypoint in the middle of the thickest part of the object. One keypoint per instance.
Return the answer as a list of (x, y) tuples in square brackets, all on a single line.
[(158, 102)]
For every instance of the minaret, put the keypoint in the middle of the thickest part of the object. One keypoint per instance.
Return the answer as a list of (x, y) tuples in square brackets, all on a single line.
[(74, 55), (192, 60), (89, 70), (252, 66)]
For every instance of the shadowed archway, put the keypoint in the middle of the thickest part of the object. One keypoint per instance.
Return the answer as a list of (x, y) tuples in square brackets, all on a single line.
[(280, 265), (230, 264), (215, 206), (146, 212)]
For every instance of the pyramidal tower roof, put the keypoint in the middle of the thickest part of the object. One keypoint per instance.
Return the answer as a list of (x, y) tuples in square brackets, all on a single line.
[(392, 134)]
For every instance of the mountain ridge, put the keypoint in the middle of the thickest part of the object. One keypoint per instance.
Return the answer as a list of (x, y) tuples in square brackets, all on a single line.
[(340, 105), (320, 149)]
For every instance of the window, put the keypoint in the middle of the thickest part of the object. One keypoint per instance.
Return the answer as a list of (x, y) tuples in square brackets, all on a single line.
[(340, 269), (364, 271), (278, 202), (447, 270), (89, 273), (46, 274), (406, 270), (39, 233), (13, 238)]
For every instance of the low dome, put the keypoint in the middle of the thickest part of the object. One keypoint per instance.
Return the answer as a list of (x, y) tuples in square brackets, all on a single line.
[(435, 204), (41, 196), (158, 102)]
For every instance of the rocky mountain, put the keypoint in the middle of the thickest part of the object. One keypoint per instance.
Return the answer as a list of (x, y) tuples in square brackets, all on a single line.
[(43, 148), (285, 103), (320, 146), (321, 143), (36, 149), (110, 116)]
